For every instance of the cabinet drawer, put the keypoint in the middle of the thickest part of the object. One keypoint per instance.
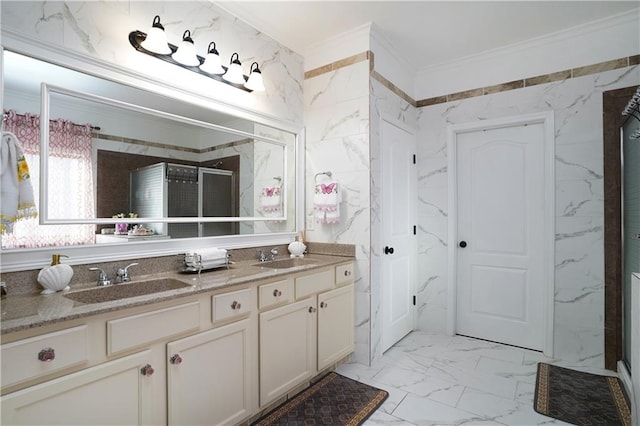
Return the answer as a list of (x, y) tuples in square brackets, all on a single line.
[(275, 293), (230, 305), (30, 358), (314, 283), (142, 329), (344, 274)]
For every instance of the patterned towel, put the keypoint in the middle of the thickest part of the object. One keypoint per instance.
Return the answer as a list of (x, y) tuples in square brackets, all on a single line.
[(16, 192), (326, 202), (271, 201)]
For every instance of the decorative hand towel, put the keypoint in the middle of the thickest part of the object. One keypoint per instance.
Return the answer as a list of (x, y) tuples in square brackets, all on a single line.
[(16, 192), (271, 201), (326, 202)]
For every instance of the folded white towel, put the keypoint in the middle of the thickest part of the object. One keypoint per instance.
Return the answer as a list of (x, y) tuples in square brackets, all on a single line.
[(326, 202), (16, 192)]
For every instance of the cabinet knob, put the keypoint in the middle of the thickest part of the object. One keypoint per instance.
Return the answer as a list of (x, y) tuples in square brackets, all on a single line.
[(324, 305), (277, 293), (311, 309), (175, 359), (347, 273), (147, 370), (47, 355), (236, 305)]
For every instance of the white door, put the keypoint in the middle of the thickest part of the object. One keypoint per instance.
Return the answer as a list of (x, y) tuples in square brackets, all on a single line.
[(398, 217), (500, 274)]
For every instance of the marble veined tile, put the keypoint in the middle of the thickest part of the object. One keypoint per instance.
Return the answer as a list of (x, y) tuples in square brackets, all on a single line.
[(423, 411), (380, 418), (479, 380), (508, 370)]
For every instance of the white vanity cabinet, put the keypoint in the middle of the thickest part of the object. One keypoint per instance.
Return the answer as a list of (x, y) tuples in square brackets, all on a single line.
[(211, 377), (287, 348), (303, 337), (187, 362), (335, 325), (114, 392)]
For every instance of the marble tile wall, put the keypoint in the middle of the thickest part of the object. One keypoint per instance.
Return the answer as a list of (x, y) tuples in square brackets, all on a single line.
[(579, 274), (336, 110)]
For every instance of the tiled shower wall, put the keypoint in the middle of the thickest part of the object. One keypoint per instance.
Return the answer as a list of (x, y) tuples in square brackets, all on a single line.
[(579, 210)]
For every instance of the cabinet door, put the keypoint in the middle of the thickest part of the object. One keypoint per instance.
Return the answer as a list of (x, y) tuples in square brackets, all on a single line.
[(335, 325), (210, 376), (287, 348), (113, 393)]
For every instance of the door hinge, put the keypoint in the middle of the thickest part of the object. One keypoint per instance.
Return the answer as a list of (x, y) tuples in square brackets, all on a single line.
[(414, 230), (414, 300), (414, 159)]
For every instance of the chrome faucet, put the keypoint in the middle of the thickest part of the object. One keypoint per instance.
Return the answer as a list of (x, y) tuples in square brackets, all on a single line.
[(103, 278), (265, 257), (122, 275)]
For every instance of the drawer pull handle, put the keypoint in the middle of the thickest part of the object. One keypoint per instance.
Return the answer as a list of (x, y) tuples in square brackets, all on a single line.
[(236, 305), (311, 309), (324, 305), (347, 273), (175, 359), (277, 293), (47, 355), (147, 370)]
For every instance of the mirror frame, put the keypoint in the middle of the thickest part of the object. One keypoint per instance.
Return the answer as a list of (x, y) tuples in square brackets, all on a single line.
[(43, 213), (33, 258)]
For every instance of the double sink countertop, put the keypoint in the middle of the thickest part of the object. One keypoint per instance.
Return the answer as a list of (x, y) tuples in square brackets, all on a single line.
[(20, 312)]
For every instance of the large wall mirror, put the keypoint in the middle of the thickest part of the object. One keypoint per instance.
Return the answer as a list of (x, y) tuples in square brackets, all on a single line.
[(114, 155)]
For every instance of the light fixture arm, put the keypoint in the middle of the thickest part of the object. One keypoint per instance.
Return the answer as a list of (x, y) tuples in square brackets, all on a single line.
[(137, 37)]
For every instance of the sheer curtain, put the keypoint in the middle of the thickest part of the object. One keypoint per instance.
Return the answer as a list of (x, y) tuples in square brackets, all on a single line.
[(70, 185)]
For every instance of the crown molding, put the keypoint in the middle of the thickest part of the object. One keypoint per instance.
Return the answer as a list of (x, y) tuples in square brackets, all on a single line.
[(629, 17), (338, 47)]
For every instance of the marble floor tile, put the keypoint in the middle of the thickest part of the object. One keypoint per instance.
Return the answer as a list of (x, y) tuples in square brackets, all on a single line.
[(455, 380)]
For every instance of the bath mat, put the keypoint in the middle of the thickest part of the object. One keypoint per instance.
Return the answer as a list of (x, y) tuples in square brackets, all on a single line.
[(580, 398), (334, 400)]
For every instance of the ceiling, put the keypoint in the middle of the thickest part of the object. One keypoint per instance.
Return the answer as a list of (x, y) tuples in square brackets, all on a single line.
[(423, 33)]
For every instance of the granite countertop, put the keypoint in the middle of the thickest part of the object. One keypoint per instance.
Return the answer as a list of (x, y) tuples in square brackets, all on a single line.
[(21, 312)]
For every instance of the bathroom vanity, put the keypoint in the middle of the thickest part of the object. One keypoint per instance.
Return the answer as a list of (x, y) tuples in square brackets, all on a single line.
[(217, 348)]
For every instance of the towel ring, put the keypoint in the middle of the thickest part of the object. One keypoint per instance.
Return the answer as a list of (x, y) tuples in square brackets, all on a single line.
[(279, 179), (327, 173)]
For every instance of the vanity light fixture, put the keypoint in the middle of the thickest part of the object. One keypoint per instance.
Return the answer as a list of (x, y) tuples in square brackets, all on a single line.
[(186, 53), (234, 72), (155, 44), (255, 79), (212, 63), (156, 40), (633, 109)]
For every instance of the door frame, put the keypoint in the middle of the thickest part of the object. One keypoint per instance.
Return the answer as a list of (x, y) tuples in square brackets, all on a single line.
[(547, 120)]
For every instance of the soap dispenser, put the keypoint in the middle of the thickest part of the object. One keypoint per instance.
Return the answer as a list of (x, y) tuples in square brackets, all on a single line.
[(55, 277)]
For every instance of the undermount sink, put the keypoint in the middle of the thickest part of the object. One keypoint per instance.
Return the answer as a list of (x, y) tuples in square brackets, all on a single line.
[(123, 291), (286, 263)]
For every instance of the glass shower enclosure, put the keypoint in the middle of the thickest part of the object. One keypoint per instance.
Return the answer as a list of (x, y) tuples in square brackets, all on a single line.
[(176, 190)]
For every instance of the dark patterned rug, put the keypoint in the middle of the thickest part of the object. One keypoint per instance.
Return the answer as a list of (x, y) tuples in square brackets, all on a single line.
[(580, 398), (334, 400)]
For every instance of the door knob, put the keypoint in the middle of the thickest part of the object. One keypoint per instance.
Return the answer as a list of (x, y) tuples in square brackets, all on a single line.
[(388, 250), (463, 244)]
